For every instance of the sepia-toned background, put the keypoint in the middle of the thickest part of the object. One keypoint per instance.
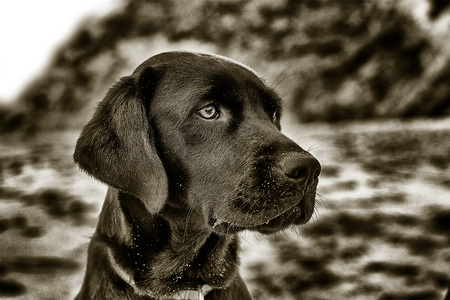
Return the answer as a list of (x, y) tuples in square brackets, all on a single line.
[(366, 88)]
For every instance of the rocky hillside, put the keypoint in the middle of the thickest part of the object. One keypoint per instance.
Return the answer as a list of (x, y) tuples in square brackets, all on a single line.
[(330, 60)]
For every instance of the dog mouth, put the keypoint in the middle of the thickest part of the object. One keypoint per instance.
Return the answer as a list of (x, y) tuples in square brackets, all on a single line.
[(299, 214)]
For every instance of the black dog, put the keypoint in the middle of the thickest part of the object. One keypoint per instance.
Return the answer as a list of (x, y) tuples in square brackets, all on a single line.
[(191, 148)]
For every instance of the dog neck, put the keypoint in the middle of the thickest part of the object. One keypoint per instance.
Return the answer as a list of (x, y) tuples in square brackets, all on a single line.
[(198, 294), (162, 258)]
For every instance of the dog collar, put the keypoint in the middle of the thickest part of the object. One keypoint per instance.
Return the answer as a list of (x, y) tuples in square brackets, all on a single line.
[(198, 294)]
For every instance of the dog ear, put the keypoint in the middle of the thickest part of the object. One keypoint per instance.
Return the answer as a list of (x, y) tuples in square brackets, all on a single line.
[(117, 146)]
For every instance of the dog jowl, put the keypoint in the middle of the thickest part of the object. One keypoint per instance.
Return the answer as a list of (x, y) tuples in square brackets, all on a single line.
[(191, 148)]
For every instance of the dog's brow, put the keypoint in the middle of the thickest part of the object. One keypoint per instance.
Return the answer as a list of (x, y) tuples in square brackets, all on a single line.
[(270, 100), (225, 94)]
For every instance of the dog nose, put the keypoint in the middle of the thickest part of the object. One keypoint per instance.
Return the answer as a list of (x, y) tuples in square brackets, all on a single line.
[(302, 167)]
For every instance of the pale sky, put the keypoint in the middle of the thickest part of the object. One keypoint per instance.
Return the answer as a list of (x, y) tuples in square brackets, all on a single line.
[(30, 31)]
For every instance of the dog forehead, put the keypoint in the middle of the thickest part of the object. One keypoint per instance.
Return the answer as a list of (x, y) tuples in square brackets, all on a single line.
[(193, 77), (229, 60), (193, 64)]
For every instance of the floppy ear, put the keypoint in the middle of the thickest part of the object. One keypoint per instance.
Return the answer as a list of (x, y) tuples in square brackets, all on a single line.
[(117, 146)]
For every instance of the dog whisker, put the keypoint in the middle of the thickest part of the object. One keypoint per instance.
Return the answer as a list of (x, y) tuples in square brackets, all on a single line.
[(243, 238), (274, 85), (215, 247), (316, 212), (311, 148), (256, 236), (189, 213), (315, 215), (297, 230), (291, 91), (266, 237), (319, 200)]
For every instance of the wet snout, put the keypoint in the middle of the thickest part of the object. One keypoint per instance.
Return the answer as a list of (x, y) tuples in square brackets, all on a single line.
[(300, 167)]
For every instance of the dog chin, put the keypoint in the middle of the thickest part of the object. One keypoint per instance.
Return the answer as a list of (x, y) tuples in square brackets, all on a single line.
[(298, 215)]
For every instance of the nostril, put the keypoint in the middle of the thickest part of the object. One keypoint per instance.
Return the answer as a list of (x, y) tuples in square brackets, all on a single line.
[(296, 173), (300, 167)]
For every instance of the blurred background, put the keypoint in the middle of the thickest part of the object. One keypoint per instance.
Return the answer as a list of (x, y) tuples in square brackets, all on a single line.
[(366, 88)]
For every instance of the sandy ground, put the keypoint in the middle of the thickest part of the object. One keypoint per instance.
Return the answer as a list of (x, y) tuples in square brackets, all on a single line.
[(381, 228)]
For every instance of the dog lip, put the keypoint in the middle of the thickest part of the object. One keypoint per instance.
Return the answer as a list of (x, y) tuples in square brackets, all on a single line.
[(295, 215)]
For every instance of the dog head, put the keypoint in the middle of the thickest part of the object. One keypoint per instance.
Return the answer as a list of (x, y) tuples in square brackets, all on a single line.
[(199, 132)]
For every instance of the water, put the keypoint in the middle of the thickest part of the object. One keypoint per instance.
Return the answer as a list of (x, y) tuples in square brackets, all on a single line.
[(381, 228)]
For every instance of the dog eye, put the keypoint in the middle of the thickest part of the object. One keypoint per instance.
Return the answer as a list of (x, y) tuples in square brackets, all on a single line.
[(208, 112), (274, 115)]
